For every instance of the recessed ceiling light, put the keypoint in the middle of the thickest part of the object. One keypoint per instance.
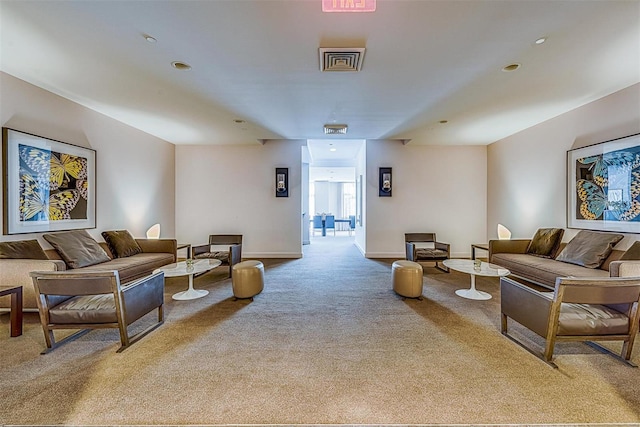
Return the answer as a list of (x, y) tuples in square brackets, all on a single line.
[(181, 65), (238, 120), (333, 149), (149, 38), (510, 67), (541, 40), (442, 122)]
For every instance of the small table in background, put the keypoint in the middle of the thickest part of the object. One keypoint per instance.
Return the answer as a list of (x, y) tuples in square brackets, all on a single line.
[(474, 246), (181, 269), (16, 307), (467, 266), (186, 246)]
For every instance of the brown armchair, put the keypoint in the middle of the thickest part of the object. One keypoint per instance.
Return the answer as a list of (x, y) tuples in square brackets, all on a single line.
[(91, 300), (424, 247), (224, 247), (580, 309)]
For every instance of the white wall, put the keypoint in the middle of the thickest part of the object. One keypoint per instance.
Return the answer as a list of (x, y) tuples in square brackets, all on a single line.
[(527, 171), (434, 189), (135, 171), (231, 190)]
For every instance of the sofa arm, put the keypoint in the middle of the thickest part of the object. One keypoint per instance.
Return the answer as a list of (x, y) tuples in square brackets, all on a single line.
[(169, 246), (443, 247), (15, 272), (235, 255), (142, 296), (517, 246), (524, 305), (627, 268), (199, 249), (410, 251)]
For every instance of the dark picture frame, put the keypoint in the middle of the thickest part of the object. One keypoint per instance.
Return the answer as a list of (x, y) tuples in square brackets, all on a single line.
[(48, 185), (603, 186), (384, 182), (282, 182)]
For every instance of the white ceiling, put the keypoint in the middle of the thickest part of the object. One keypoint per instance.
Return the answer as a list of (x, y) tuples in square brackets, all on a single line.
[(257, 61)]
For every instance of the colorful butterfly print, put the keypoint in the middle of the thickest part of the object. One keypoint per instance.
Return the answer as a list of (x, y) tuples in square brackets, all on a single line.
[(601, 162), (37, 204), (593, 199), (82, 185), (37, 160), (66, 166)]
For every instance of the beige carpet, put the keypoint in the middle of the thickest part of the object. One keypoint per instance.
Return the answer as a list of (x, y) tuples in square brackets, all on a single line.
[(327, 342)]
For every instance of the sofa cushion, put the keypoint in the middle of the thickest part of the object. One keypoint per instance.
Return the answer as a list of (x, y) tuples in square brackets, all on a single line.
[(543, 271), (589, 248), (135, 266), (545, 242), (633, 253), (22, 249), (77, 248), (121, 243)]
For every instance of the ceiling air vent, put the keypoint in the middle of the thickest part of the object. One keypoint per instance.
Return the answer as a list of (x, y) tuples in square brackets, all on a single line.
[(335, 129), (341, 59)]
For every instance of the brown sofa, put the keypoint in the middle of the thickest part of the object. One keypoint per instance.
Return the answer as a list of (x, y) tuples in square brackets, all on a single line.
[(512, 255), (155, 253)]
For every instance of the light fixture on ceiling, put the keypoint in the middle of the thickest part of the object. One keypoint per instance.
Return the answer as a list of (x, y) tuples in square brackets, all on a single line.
[(443, 122), (335, 129), (510, 67), (149, 38), (541, 40), (181, 65)]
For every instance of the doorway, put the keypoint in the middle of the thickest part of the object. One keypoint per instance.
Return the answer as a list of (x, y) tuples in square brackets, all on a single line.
[(331, 197)]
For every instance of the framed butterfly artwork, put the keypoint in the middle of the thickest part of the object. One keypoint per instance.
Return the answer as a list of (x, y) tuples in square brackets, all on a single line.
[(48, 185), (603, 186)]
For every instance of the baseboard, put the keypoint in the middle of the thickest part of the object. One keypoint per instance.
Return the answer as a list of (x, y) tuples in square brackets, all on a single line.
[(401, 255), (258, 255)]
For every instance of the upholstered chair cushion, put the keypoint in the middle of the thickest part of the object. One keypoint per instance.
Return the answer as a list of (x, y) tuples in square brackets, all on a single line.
[(589, 248), (121, 243), (77, 248), (545, 242), (22, 249)]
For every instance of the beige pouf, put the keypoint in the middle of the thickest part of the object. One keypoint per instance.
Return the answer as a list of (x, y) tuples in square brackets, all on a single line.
[(247, 279), (407, 278)]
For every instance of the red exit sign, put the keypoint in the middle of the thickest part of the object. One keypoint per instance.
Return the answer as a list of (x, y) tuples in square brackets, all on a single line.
[(348, 5)]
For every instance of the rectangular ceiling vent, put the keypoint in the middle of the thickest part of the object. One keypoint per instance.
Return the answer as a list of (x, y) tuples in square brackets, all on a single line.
[(335, 129), (341, 59)]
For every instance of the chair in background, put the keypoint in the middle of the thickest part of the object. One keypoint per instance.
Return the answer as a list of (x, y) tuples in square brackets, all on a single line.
[(91, 300), (579, 309), (317, 223), (424, 247), (352, 223), (224, 247), (330, 223)]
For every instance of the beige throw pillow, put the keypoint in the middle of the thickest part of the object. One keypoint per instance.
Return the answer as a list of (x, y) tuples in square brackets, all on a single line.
[(589, 248), (22, 249), (77, 248)]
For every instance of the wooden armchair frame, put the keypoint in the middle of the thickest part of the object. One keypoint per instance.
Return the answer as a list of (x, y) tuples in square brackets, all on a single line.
[(543, 314), (230, 257), (440, 252), (95, 300)]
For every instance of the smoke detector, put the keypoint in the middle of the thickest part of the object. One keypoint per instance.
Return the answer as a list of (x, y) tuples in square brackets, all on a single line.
[(335, 129), (341, 58)]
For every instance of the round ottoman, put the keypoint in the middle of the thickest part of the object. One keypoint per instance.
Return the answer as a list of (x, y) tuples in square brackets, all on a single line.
[(247, 279), (407, 279)]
